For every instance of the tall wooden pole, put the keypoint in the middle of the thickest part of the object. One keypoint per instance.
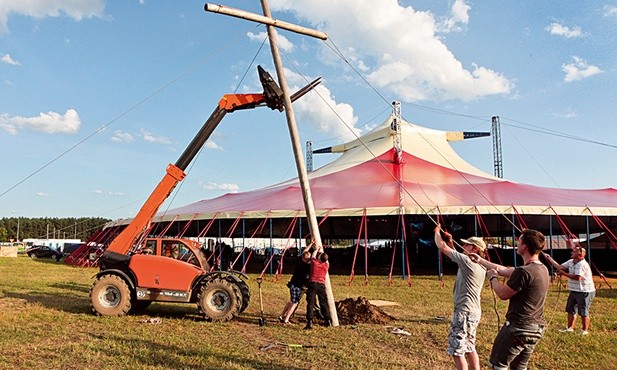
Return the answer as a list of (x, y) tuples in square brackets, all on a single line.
[(297, 150), (291, 120)]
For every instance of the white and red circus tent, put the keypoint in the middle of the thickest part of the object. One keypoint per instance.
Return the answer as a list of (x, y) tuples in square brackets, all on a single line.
[(374, 191), (429, 178)]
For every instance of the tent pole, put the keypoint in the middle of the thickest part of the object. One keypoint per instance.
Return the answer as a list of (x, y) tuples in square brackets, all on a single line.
[(243, 241), (300, 236), (271, 248), (297, 149), (366, 243), (588, 241), (514, 241), (403, 246), (550, 240), (220, 247), (291, 124)]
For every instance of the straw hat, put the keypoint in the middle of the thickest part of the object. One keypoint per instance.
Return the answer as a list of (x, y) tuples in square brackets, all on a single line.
[(475, 241)]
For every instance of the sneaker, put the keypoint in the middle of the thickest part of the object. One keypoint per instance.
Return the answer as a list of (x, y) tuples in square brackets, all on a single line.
[(566, 330), (584, 332)]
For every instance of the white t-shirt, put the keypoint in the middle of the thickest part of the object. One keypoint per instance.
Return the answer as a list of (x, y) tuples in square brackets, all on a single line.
[(580, 268)]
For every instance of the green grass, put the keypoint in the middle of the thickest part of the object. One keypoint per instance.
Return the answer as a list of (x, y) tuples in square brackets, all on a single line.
[(46, 323)]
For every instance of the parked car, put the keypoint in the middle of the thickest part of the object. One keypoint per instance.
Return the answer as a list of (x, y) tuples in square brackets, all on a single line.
[(43, 251)]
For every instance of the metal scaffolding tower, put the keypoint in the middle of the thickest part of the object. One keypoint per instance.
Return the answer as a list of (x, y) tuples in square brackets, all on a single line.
[(396, 127), (309, 156), (496, 133)]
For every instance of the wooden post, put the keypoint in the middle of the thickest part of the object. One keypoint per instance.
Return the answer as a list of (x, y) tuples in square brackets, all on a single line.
[(297, 149), (291, 120)]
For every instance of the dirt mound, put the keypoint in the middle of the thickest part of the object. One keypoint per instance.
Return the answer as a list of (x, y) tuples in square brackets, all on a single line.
[(360, 310)]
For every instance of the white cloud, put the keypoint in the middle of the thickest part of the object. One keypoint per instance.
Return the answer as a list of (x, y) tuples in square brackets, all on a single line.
[(50, 122), (283, 42), (50, 8), (41, 194), (401, 48), (107, 193), (149, 137), (332, 119), (6, 58), (212, 145), (568, 114), (231, 188), (460, 15), (561, 30), (122, 137), (610, 11), (579, 69)]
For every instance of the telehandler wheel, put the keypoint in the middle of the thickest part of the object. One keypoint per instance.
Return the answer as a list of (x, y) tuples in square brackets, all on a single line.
[(219, 300), (244, 290), (246, 294), (110, 296)]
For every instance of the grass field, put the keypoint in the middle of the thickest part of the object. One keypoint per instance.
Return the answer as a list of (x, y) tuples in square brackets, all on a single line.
[(46, 323)]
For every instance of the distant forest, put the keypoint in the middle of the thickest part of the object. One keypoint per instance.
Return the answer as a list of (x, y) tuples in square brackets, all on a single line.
[(49, 228)]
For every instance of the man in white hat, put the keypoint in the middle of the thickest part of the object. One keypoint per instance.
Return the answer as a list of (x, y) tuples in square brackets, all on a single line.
[(467, 290)]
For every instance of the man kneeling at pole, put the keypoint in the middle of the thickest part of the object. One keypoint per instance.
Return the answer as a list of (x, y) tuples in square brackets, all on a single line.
[(317, 287)]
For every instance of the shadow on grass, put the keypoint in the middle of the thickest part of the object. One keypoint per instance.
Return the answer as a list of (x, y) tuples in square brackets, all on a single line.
[(606, 293), (172, 356), (48, 261), (79, 288), (189, 312), (437, 320), (61, 302)]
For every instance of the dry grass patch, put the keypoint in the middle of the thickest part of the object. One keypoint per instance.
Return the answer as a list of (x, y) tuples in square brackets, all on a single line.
[(46, 323)]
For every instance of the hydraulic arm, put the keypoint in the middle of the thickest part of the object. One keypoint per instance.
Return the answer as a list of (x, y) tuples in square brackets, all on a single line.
[(272, 97)]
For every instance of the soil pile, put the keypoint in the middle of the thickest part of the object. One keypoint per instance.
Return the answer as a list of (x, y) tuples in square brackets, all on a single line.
[(360, 310)]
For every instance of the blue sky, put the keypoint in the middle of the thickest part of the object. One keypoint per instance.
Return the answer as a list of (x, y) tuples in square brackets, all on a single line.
[(97, 97)]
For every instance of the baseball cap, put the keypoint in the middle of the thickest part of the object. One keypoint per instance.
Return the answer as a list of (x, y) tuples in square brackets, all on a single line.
[(475, 241)]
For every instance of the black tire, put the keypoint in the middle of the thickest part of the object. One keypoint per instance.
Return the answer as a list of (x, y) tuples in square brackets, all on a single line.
[(110, 296), (246, 294), (219, 300)]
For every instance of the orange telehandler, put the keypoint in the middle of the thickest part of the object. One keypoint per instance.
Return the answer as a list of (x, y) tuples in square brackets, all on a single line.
[(136, 270)]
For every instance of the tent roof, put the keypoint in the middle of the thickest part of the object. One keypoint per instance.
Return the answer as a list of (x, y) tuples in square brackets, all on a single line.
[(431, 179)]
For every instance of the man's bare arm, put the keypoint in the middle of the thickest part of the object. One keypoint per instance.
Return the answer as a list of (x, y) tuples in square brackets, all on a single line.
[(441, 244), (501, 270)]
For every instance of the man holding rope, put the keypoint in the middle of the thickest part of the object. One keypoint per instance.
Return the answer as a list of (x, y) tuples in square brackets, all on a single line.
[(467, 291), (526, 289), (581, 287)]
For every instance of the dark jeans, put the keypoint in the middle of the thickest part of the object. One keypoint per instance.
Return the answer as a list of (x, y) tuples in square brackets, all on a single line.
[(319, 290), (514, 345)]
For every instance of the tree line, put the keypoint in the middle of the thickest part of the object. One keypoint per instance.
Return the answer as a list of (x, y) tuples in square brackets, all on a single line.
[(49, 228)]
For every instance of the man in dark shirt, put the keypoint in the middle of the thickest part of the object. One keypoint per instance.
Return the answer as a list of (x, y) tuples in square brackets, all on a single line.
[(298, 281), (526, 289)]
